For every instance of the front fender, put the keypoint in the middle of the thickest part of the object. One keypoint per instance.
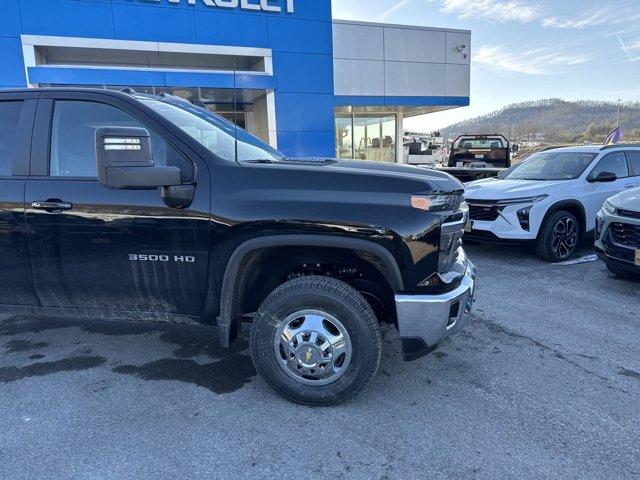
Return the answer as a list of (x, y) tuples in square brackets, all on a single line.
[(240, 261), (574, 204)]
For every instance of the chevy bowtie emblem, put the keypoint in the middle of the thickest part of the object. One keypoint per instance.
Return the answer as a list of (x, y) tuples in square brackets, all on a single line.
[(308, 355)]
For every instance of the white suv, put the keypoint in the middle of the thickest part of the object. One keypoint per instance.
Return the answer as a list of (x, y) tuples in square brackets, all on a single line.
[(551, 198)]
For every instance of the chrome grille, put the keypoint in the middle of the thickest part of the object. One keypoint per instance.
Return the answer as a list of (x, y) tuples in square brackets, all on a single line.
[(451, 234), (484, 212), (454, 202)]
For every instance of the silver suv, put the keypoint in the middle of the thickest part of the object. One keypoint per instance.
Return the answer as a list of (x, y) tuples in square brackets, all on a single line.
[(618, 233)]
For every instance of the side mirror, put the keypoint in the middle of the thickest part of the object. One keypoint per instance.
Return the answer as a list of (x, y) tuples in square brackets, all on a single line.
[(603, 177), (125, 161)]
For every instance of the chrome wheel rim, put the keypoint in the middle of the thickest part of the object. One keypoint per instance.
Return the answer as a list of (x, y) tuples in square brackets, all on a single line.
[(313, 347), (565, 237)]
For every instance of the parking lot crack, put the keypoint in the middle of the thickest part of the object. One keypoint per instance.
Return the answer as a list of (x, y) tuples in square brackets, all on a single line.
[(625, 372), (497, 328)]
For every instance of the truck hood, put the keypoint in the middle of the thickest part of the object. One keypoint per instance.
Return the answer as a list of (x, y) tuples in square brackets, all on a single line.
[(435, 180), (628, 200), (496, 189), (345, 194)]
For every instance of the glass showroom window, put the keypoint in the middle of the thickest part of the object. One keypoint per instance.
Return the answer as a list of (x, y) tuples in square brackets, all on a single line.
[(344, 137), (366, 137), (388, 139)]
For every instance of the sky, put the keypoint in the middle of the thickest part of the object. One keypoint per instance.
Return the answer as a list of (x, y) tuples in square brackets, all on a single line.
[(525, 50)]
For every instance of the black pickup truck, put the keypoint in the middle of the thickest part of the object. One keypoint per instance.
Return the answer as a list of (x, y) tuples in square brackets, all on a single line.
[(123, 205)]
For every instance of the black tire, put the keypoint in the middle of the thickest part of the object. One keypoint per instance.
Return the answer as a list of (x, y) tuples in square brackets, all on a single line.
[(335, 298), (552, 248)]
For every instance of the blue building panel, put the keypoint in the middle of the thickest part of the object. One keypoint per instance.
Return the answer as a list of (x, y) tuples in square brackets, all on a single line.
[(304, 112), (154, 24), (235, 29), (256, 82), (91, 76), (12, 73), (10, 19), (67, 18), (304, 73), (311, 144), (303, 36)]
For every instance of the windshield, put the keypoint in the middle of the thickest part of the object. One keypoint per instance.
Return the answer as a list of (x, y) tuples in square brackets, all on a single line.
[(551, 166), (214, 132), (484, 143)]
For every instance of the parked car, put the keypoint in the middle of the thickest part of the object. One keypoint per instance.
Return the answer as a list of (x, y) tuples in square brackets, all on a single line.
[(618, 233), (551, 198), (116, 204)]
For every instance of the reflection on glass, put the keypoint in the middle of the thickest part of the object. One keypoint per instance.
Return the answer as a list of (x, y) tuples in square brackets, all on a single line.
[(235, 105), (374, 138), (214, 132), (344, 137), (388, 139)]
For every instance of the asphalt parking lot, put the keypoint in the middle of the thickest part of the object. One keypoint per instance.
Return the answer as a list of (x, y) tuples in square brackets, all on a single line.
[(544, 384)]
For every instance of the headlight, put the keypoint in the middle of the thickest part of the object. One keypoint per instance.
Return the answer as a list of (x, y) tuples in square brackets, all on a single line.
[(609, 208), (518, 201), (432, 203)]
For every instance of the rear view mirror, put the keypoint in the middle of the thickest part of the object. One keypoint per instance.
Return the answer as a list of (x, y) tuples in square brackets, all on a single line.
[(603, 177), (125, 161)]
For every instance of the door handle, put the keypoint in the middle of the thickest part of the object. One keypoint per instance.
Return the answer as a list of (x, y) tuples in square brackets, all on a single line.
[(52, 205), (629, 185)]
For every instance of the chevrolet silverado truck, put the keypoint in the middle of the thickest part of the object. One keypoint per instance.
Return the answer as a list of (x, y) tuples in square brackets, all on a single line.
[(123, 205)]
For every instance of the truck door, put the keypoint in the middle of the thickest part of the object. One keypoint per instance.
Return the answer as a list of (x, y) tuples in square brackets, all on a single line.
[(16, 121), (92, 247)]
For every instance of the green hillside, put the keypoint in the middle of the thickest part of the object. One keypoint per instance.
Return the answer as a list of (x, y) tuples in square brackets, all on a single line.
[(555, 121)]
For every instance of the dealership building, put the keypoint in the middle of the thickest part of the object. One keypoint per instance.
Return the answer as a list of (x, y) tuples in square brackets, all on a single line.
[(283, 69)]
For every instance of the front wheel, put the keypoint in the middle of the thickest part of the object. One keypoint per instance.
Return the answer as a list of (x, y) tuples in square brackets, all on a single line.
[(316, 341), (559, 237)]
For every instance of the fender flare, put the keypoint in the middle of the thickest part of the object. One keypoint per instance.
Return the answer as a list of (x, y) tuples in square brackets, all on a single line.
[(228, 320), (559, 205)]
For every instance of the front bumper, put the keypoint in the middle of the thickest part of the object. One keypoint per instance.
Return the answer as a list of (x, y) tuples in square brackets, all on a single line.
[(426, 320), (506, 228), (615, 260), (606, 247)]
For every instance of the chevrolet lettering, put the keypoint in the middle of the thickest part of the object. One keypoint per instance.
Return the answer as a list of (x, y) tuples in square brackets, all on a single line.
[(275, 6)]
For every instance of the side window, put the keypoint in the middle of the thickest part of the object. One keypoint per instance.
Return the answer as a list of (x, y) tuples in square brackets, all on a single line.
[(615, 162), (634, 158), (9, 117), (73, 130)]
